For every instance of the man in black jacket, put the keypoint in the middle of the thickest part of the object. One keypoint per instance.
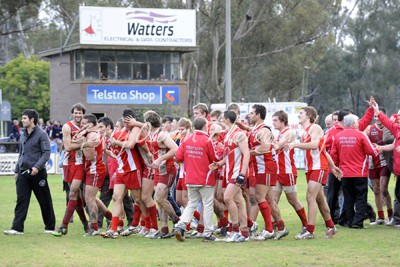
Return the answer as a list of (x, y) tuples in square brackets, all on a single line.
[(31, 175)]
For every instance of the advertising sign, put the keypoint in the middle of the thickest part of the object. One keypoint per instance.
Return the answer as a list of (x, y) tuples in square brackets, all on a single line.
[(135, 95), (137, 26)]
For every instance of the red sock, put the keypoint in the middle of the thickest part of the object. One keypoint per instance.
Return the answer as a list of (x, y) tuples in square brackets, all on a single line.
[(69, 211), (114, 223), (147, 222), (245, 232), (390, 213), (302, 215), (230, 228), (200, 228), (142, 222), (381, 214), (80, 210), (226, 213), (95, 226), (235, 228), (121, 223), (266, 213), (249, 222), (196, 215), (137, 213), (165, 229), (188, 227), (310, 228), (280, 225), (223, 222), (108, 215), (153, 217), (329, 223)]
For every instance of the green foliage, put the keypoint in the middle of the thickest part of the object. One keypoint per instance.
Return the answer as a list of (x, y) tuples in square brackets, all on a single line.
[(25, 84)]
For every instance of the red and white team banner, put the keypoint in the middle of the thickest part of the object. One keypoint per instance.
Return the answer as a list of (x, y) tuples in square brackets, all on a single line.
[(137, 26)]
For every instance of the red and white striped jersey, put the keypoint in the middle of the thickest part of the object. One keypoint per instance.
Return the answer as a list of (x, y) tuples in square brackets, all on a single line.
[(96, 165), (315, 159), (375, 135), (73, 157), (128, 159), (233, 154), (264, 163), (285, 161), (157, 152)]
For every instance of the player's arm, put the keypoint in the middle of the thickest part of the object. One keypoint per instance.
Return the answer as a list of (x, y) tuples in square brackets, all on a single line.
[(243, 126), (243, 144), (367, 131), (90, 151), (165, 141), (67, 140), (287, 137), (264, 135), (132, 139), (133, 122), (316, 133), (110, 153)]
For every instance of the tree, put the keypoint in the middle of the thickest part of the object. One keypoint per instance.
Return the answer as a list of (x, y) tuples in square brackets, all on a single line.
[(25, 84)]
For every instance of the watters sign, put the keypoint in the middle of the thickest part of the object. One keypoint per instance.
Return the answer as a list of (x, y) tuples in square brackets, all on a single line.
[(137, 26)]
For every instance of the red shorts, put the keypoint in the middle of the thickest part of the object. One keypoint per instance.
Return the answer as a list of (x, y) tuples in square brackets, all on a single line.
[(377, 173), (147, 172), (112, 166), (266, 179), (287, 179), (319, 176), (181, 184), (251, 181), (95, 179), (132, 180), (167, 179), (74, 172)]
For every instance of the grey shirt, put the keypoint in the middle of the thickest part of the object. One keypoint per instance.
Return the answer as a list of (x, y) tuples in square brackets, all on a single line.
[(34, 150)]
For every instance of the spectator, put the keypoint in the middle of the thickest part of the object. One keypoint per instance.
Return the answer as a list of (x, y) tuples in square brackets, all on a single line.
[(31, 175), (15, 130)]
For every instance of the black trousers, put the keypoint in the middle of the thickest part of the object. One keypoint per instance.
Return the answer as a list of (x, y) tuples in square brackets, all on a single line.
[(106, 197), (355, 191), (334, 186), (25, 184)]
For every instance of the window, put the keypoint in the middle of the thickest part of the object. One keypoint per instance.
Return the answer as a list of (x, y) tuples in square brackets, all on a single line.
[(126, 65)]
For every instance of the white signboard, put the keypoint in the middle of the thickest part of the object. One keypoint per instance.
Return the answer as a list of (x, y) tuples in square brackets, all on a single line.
[(9, 160), (137, 26)]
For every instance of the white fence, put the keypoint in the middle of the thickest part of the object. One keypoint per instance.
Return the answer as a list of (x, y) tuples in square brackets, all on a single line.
[(9, 160)]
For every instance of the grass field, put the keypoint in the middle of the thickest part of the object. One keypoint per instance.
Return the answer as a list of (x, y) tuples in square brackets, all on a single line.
[(375, 246)]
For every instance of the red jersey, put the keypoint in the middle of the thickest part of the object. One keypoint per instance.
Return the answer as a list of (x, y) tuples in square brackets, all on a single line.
[(285, 161), (233, 154), (96, 165), (198, 152), (264, 163), (73, 157), (315, 159), (157, 152), (375, 135), (394, 128), (336, 128), (128, 159), (350, 152)]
